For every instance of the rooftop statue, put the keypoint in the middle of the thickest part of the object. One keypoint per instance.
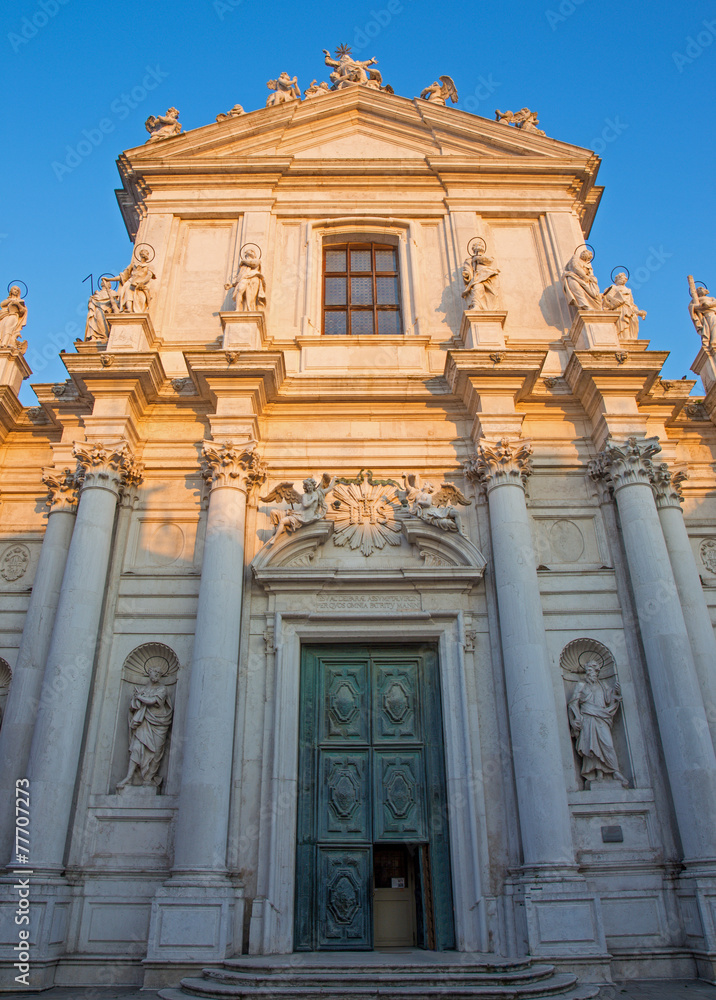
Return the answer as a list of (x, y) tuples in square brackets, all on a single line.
[(438, 93), (702, 309), (285, 89), (133, 291), (163, 126), (579, 282), (480, 277), (235, 112), (620, 299), (249, 286), (525, 119), (13, 316), (101, 304), (317, 89), (347, 70)]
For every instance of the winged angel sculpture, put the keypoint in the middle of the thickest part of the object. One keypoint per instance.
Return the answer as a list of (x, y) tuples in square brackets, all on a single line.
[(305, 509), (438, 93), (434, 505)]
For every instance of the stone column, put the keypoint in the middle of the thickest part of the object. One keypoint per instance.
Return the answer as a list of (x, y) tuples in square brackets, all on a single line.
[(199, 873), (57, 740), (667, 491), (688, 750), (503, 469), (23, 700)]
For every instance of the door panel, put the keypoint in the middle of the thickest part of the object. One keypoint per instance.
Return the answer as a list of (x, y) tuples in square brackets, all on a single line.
[(344, 894), (345, 715), (399, 796), (344, 796), (396, 712)]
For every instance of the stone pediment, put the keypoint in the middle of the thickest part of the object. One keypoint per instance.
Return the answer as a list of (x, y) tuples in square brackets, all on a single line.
[(354, 124)]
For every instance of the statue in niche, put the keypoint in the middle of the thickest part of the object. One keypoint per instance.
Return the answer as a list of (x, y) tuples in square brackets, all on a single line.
[(480, 277), (235, 112), (592, 708), (285, 89), (620, 299), (348, 71), (150, 716), (163, 126), (702, 309), (101, 303), (438, 93), (133, 291), (429, 503), (249, 286), (579, 282), (13, 316), (311, 506), (317, 89)]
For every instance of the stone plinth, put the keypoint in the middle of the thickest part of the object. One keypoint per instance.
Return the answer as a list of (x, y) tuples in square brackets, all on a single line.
[(482, 329), (130, 332), (13, 368), (705, 367), (595, 331), (243, 331)]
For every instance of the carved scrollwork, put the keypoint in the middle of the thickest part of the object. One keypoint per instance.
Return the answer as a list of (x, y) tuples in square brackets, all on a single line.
[(667, 486), (111, 466), (626, 463), (501, 463), (62, 488), (229, 464)]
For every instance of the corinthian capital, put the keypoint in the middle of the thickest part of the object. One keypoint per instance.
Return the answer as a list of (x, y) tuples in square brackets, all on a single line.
[(111, 466), (62, 489), (623, 463), (505, 462), (667, 486), (229, 464)]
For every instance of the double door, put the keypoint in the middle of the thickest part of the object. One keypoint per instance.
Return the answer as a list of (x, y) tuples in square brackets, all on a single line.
[(371, 782)]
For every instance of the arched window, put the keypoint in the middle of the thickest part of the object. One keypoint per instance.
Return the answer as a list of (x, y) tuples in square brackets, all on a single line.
[(361, 289)]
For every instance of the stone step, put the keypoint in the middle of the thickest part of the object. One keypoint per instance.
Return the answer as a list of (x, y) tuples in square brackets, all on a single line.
[(305, 962), (394, 977)]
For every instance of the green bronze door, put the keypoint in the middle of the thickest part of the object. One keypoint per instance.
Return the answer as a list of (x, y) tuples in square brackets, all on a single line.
[(370, 773)]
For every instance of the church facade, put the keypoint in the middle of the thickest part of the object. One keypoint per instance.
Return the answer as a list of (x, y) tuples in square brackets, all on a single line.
[(372, 603)]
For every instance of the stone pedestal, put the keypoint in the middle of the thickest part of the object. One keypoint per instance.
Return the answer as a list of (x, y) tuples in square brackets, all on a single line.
[(595, 331), (13, 368), (705, 367), (130, 332), (243, 331), (482, 329)]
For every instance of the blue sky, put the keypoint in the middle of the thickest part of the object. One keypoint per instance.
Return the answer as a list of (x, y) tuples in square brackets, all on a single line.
[(633, 81)]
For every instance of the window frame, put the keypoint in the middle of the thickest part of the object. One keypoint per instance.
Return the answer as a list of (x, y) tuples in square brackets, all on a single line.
[(375, 308)]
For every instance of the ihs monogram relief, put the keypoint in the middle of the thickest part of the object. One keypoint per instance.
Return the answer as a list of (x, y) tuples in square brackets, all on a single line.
[(363, 511)]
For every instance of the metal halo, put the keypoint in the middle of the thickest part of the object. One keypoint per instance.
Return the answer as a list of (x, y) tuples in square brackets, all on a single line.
[(620, 269), (591, 654), (107, 274), (18, 281), (476, 239), (589, 247), (149, 246), (701, 284), (241, 251)]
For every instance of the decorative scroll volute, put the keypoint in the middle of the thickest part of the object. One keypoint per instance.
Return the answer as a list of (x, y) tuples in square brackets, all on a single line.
[(667, 486), (229, 464), (626, 463), (62, 489), (112, 467), (505, 462)]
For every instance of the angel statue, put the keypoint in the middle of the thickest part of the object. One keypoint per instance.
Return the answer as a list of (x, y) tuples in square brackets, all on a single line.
[(438, 93), (249, 286), (235, 112), (312, 505), (317, 89), (620, 299), (150, 715), (480, 276), (430, 505), (347, 70), (285, 89), (163, 126), (13, 316), (702, 310)]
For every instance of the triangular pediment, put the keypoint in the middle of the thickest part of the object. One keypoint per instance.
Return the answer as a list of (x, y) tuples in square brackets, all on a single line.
[(355, 124)]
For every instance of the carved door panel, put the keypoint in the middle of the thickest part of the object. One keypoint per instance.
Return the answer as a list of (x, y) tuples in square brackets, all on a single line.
[(344, 898), (399, 797)]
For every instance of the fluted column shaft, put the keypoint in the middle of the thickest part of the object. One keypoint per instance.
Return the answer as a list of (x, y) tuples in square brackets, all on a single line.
[(57, 740), (688, 750), (534, 734), (667, 491), (21, 708), (204, 797)]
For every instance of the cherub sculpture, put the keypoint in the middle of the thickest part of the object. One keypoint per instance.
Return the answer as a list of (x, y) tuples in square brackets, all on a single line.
[(317, 89), (163, 126), (285, 89), (249, 286), (702, 309), (620, 299), (235, 112), (101, 304), (579, 282), (13, 316), (150, 716), (347, 70), (480, 277), (438, 93), (524, 118), (429, 503), (133, 292), (311, 507)]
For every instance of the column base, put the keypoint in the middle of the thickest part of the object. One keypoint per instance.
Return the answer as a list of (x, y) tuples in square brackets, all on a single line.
[(696, 897), (50, 902), (195, 920), (595, 331), (481, 329)]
